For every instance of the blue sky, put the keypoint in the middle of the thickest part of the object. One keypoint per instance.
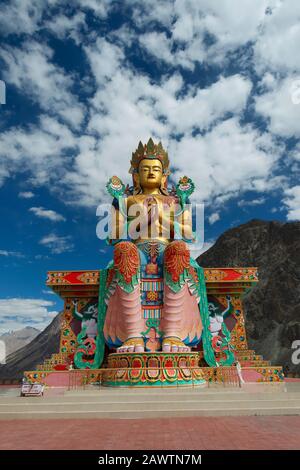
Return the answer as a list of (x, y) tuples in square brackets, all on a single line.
[(217, 82)]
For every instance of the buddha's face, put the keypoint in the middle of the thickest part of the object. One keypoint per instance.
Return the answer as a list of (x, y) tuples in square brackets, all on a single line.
[(150, 173)]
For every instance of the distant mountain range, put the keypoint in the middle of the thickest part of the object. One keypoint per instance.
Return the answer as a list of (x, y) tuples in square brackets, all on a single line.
[(34, 353), (15, 340), (272, 307)]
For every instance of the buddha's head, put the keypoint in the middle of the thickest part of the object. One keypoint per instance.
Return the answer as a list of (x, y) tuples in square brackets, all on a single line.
[(150, 168), (150, 173)]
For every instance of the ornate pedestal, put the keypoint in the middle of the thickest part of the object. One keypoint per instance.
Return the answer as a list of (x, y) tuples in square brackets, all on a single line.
[(159, 368), (153, 369)]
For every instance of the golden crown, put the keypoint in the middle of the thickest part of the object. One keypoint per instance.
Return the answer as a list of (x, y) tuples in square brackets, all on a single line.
[(150, 150)]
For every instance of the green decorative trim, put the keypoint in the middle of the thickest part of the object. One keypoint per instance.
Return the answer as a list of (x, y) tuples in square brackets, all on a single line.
[(152, 323), (128, 287), (100, 342), (79, 363), (184, 189), (228, 348), (200, 291), (209, 354), (208, 351), (157, 383), (81, 315), (102, 307), (115, 187), (176, 286)]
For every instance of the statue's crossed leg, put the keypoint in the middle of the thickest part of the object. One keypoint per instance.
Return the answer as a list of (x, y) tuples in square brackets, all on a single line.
[(124, 316)]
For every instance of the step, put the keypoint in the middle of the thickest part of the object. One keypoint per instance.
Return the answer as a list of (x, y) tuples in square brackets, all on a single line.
[(129, 401), (124, 403), (157, 394), (169, 392), (266, 366), (132, 398), (141, 406), (150, 413)]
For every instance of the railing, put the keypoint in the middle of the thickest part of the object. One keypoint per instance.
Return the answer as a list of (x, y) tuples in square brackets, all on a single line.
[(228, 376), (225, 376)]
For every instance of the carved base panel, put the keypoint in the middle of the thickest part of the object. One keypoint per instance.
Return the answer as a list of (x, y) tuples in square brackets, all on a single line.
[(152, 369), (79, 378)]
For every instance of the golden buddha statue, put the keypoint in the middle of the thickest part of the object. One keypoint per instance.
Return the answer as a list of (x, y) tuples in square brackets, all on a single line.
[(153, 284)]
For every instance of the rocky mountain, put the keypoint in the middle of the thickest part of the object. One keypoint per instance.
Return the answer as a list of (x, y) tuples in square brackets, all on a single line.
[(34, 353), (272, 307), (15, 340)]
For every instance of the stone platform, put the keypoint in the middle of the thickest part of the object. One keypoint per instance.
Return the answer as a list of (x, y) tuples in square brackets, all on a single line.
[(140, 403)]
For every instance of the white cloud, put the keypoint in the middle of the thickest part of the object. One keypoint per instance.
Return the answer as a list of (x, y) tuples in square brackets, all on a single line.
[(276, 47), (47, 214), (128, 107), (48, 292), (105, 60), (159, 45), (272, 27), (295, 154), (26, 194), (213, 218), (29, 16), (99, 8), (16, 313), (15, 254), (201, 107), (4, 173), (252, 202), (41, 257), (161, 11), (56, 244), (32, 71), (190, 21), (227, 160), (38, 149), (21, 16), (276, 54), (292, 202), (278, 107), (64, 26)]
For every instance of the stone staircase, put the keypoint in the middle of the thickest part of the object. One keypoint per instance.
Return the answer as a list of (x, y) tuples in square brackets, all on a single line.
[(125, 403), (250, 359), (56, 360)]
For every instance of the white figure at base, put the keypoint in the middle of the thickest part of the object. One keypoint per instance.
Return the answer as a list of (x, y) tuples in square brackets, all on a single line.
[(239, 372)]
